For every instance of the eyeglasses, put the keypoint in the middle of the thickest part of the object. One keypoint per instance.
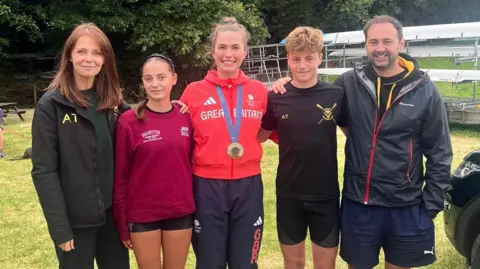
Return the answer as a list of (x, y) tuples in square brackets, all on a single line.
[(161, 56)]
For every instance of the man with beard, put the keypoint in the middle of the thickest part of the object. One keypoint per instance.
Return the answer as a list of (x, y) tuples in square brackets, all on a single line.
[(396, 117)]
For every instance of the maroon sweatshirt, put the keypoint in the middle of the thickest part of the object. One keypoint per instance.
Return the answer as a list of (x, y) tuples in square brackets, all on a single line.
[(153, 175)]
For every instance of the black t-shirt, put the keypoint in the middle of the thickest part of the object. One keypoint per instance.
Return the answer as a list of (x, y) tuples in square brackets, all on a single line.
[(387, 83), (306, 122)]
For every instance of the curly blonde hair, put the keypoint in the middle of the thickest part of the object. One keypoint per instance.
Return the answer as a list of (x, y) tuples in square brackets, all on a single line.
[(305, 38)]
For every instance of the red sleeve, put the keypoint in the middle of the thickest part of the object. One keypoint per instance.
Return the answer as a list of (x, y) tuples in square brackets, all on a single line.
[(265, 97), (274, 137), (123, 160), (268, 121)]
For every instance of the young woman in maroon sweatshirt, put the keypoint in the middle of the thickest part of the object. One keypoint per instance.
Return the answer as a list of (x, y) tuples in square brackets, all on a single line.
[(153, 197)]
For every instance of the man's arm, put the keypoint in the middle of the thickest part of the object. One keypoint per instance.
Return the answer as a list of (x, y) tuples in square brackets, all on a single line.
[(269, 123), (263, 135), (437, 148), (342, 120)]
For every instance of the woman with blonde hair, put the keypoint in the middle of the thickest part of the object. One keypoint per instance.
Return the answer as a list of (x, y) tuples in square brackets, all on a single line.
[(226, 109), (73, 133)]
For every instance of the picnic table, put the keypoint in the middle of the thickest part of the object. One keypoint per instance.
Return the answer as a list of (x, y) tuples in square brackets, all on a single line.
[(11, 108)]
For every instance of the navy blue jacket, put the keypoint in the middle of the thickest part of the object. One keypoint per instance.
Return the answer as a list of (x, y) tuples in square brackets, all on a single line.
[(384, 164)]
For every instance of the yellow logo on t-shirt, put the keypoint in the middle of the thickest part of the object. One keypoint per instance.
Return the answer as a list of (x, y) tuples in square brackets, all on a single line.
[(327, 113)]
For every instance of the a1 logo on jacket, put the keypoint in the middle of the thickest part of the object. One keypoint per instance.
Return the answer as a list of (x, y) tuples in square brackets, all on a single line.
[(70, 118)]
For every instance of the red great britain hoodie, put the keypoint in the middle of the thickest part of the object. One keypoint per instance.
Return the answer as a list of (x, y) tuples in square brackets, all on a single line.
[(211, 136)]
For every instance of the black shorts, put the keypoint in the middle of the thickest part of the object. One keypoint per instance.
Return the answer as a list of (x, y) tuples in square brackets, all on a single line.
[(181, 223), (320, 217)]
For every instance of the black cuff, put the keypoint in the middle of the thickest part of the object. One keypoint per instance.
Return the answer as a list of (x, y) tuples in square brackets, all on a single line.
[(432, 214)]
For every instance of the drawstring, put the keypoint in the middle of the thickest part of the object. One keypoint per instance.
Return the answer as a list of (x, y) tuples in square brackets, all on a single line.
[(379, 86), (390, 96), (378, 91)]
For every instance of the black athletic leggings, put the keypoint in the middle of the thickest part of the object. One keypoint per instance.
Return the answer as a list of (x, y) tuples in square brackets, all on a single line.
[(101, 244)]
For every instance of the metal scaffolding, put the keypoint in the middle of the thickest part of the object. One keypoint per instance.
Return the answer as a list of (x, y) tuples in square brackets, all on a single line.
[(459, 42)]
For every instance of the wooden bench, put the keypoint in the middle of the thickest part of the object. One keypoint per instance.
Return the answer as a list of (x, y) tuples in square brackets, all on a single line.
[(18, 112), (10, 108)]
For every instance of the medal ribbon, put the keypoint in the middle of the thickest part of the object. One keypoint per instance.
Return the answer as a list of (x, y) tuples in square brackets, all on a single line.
[(234, 131)]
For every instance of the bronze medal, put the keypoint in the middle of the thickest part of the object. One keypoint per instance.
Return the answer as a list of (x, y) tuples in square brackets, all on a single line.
[(235, 150)]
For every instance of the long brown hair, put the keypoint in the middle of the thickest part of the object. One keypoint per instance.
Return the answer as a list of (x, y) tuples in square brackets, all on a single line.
[(139, 109), (106, 82)]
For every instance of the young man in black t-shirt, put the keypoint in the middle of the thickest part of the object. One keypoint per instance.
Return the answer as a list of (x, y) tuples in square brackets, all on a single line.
[(306, 119)]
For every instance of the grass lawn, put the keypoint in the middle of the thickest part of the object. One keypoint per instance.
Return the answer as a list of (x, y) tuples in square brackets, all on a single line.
[(25, 243)]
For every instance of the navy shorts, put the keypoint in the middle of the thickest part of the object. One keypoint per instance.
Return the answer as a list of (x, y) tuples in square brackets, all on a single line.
[(406, 234)]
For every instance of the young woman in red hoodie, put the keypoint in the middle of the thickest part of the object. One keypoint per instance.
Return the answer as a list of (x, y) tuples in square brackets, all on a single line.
[(226, 109), (153, 196)]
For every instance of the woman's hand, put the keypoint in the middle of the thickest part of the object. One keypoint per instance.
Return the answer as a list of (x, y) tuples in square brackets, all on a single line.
[(278, 86), (67, 246), (183, 108), (128, 244)]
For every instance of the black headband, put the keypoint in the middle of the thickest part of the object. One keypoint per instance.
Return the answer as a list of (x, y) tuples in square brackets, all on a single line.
[(161, 56)]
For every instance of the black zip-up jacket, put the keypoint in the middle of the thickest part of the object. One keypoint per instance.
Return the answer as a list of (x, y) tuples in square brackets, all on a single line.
[(383, 165), (64, 158)]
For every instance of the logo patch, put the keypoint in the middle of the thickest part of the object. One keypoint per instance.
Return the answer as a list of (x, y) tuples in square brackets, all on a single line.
[(429, 251), (403, 104), (196, 226), (152, 135), (327, 113), (258, 222), (210, 101), (184, 131), (68, 119), (250, 101), (256, 245)]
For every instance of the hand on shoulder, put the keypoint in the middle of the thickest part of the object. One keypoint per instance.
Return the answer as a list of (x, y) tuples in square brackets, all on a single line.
[(279, 86)]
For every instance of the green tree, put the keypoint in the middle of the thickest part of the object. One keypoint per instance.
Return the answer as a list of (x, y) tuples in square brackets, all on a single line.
[(135, 27), (282, 16), (182, 27), (425, 12), (348, 15), (17, 24)]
